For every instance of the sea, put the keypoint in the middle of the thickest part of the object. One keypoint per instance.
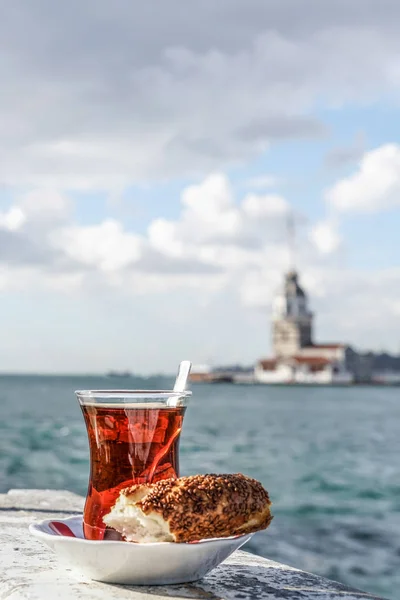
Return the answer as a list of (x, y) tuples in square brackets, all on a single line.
[(329, 457)]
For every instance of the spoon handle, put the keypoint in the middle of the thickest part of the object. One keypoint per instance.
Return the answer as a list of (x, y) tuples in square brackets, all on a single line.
[(183, 375)]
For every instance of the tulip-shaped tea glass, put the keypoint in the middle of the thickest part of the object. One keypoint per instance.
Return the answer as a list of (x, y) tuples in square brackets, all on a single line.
[(133, 438)]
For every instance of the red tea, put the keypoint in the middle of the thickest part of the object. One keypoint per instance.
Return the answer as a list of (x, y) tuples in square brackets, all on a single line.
[(128, 444)]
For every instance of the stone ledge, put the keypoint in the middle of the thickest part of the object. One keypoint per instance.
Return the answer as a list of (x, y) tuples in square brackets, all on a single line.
[(30, 570)]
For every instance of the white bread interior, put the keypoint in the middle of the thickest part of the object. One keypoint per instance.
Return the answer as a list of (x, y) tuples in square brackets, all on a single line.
[(134, 526)]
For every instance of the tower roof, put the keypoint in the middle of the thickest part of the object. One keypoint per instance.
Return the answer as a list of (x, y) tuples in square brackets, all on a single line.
[(292, 286)]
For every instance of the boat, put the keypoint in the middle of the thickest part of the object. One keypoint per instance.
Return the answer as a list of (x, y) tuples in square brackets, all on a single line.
[(120, 374), (205, 374)]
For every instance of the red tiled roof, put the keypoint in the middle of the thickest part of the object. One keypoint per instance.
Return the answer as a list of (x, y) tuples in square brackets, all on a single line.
[(312, 360), (314, 363)]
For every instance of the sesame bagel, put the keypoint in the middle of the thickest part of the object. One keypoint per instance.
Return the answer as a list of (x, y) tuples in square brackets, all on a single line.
[(190, 509)]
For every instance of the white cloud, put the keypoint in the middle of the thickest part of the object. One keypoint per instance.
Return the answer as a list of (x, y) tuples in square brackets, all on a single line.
[(215, 243), (105, 246), (45, 206), (220, 259), (219, 231), (182, 96), (325, 236), (209, 210), (374, 187), (162, 236), (219, 246), (12, 219)]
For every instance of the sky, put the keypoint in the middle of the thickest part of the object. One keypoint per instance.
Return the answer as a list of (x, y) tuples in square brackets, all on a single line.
[(150, 155)]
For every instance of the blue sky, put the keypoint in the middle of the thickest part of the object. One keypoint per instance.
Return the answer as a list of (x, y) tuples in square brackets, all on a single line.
[(146, 178)]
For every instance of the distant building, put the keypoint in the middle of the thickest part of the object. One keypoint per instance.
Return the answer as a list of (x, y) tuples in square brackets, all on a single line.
[(297, 359), (206, 374), (291, 318), (371, 367)]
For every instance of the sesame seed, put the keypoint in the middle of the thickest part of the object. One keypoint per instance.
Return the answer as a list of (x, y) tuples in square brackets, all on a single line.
[(203, 506)]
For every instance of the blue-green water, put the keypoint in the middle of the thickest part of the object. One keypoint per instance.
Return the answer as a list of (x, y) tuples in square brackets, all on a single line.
[(330, 459)]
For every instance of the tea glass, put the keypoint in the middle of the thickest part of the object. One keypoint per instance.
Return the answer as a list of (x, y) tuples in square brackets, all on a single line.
[(133, 438)]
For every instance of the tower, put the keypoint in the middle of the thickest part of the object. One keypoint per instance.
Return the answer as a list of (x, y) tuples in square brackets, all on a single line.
[(291, 318)]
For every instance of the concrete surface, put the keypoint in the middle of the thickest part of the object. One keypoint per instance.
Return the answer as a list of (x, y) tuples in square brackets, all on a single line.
[(29, 570)]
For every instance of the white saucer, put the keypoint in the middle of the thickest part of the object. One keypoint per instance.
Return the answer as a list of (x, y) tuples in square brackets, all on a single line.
[(160, 563)]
